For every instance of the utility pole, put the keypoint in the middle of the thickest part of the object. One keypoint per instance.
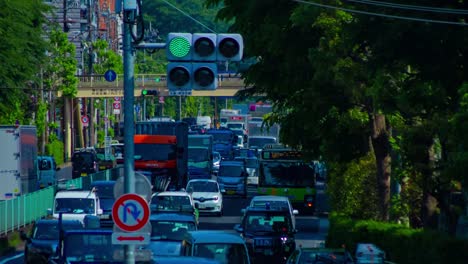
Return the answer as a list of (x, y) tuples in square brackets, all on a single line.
[(129, 14), (90, 134)]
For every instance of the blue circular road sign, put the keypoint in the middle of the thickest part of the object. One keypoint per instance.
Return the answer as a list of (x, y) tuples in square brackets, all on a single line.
[(110, 75)]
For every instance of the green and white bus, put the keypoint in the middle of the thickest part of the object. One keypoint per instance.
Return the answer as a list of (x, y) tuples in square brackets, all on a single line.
[(283, 172)]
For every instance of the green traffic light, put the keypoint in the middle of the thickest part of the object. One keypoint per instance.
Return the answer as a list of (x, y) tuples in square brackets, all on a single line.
[(179, 47), (144, 92)]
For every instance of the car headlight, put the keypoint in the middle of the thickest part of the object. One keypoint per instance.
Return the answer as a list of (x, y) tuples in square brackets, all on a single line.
[(215, 198)]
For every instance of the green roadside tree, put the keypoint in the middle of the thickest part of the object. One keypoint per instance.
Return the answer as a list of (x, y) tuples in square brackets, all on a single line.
[(22, 50), (339, 83)]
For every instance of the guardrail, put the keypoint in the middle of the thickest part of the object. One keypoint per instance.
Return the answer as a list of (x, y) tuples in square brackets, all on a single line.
[(23, 210)]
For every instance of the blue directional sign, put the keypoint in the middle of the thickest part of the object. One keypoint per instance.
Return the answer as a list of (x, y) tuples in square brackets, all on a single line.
[(110, 75)]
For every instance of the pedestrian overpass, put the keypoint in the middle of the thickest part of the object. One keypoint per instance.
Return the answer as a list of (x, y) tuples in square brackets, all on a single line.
[(96, 86)]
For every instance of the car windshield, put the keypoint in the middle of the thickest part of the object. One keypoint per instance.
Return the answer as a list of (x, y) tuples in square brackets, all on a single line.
[(222, 137), (262, 221), (235, 126), (106, 204), (222, 252), (45, 164), (83, 158), (118, 150), (75, 205), (171, 203), (198, 154), (260, 142), (170, 230), (230, 171), (202, 186), (287, 174), (262, 204), (105, 191), (147, 152), (50, 231)]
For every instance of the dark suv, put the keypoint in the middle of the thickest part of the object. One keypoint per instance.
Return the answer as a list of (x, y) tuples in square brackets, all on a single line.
[(84, 162), (268, 233)]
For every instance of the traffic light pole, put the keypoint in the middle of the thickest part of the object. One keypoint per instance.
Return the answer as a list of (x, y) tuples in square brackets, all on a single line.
[(129, 98)]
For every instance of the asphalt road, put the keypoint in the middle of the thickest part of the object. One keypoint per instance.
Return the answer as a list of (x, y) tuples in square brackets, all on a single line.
[(312, 230)]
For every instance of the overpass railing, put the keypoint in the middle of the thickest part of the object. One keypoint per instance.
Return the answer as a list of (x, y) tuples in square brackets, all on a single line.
[(154, 80), (23, 210)]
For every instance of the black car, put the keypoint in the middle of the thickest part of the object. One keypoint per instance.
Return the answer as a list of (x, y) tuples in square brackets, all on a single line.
[(105, 192), (44, 238), (84, 162), (268, 233)]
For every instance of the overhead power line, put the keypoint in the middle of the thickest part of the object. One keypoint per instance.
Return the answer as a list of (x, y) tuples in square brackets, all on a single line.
[(412, 7), (189, 16), (383, 15)]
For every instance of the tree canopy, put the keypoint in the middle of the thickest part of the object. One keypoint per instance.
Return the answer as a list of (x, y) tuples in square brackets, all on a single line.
[(344, 83)]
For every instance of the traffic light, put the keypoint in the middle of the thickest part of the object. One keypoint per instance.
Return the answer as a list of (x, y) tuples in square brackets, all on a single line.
[(179, 80), (204, 47), (192, 59), (205, 76), (179, 47), (145, 92), (204, 69), (230, 47)]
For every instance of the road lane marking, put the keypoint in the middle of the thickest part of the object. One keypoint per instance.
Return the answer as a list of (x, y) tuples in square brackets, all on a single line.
[(11, 258)]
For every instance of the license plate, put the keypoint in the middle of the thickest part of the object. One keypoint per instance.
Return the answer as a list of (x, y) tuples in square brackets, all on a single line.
[(104, 216), (231, 192), (262, 242), (84, 174), (102, 167), (201, 206)]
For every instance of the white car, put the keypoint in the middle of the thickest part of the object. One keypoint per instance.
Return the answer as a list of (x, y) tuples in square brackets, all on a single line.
[(207, 195), (173, 202), (275, 201)]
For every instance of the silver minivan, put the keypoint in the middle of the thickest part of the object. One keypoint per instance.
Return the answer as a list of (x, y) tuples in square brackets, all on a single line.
[(223, 247)]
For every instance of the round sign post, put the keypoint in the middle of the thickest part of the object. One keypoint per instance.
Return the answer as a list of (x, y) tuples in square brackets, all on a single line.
[(130, 212)]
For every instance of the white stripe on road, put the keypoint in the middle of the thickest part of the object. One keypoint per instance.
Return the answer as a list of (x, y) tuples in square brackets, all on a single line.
[(11, 258)]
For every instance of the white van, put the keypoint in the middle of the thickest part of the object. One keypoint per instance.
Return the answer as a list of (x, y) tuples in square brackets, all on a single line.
[(223, 247), (204, 121), (75, 205)]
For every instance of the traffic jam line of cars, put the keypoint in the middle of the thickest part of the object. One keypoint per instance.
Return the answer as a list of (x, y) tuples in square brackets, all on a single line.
[(79, 231)]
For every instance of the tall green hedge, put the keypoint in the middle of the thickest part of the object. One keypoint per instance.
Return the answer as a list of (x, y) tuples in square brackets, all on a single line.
[(401, 244), (55, 148)]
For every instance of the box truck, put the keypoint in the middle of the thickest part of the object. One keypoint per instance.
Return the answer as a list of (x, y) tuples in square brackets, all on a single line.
[(18, 161)]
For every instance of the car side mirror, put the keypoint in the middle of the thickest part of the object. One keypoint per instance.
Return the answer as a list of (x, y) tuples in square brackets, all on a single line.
[(295, 212), (49, 212), (100, 211), (243, 211), (223, 191), (238, 228)]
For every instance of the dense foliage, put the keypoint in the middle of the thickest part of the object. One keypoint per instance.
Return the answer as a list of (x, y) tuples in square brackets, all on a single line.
[(346, 84), (22, 51)]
